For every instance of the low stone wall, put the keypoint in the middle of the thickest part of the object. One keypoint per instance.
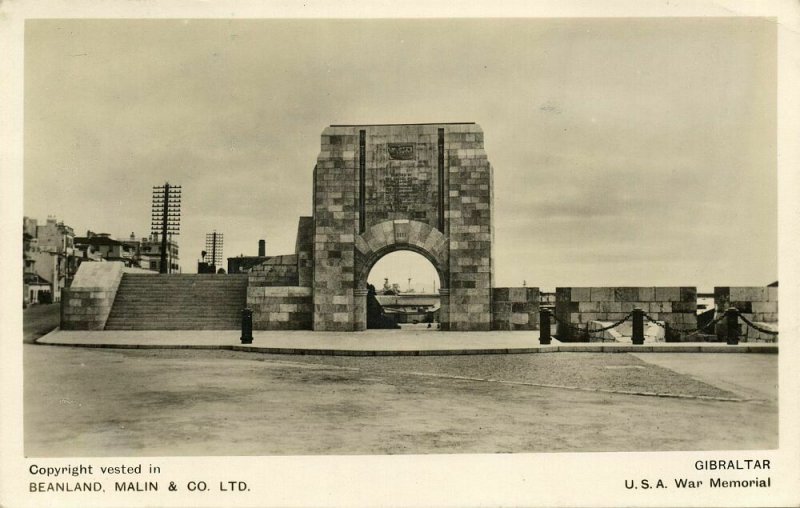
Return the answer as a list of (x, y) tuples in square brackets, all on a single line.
[(280, 308), (304, 248), (675, 306), (85, 305), (277, 271), (757, 303), (515, 308)]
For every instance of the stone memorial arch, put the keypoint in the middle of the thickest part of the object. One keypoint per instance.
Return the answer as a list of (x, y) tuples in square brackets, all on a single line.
[(426, 188)]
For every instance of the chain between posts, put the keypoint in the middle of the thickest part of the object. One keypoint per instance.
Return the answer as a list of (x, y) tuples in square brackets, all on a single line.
[(755, 326), (687, 331), (586, 329), (694, 331)]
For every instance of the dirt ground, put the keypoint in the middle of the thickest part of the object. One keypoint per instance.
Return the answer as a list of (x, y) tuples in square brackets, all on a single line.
[(95, 402), (39, 319)]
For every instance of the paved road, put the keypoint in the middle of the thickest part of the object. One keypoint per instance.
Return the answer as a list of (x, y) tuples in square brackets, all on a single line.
[(179, 402), (749, 376), (92, 402)]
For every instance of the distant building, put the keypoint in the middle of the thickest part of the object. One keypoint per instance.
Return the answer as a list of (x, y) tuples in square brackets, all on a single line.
[(100, 246), (36, 289), (48, 259), (150, 254), (243, 264), (138, 253)]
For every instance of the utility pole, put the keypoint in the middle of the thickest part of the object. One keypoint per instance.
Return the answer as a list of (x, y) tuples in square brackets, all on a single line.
[(166, 219)]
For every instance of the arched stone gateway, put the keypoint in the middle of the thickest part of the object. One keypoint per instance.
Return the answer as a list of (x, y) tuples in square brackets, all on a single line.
[(421, 187), (391, 236)]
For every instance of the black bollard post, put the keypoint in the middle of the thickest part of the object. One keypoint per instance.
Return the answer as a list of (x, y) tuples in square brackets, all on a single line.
[(637, 335), (544, 326), (732, 325), (247, 326)]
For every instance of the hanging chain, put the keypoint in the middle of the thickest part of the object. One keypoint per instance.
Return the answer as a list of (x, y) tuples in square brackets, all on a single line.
[(688, 331), (684, 331), (585, 330), (755, 326)]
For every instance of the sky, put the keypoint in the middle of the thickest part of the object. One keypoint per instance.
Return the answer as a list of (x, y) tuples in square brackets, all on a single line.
[(625, 151)]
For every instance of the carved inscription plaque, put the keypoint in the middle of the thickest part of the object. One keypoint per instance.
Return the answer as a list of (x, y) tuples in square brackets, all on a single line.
[(401, 151), (400, 183)]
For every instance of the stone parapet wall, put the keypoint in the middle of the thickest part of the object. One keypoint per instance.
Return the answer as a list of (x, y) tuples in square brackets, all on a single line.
[(515, 308), (757, 303), (280, 308), (676, 306), (86, 304), (754, 302), (276, 271)]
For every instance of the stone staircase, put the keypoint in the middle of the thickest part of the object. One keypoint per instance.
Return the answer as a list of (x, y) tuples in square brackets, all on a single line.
[(178, 302)]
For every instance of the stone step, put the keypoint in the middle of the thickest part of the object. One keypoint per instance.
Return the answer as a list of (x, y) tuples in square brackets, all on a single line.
[(205, 300), (171, 319), (155, 290), (123, 309), (144, 288), (178, 302), (211, 304), (155, 285), (177, 292), (166, 327), (192, 313), (172, 291), (187, 325), (158, 284), (187, 280)]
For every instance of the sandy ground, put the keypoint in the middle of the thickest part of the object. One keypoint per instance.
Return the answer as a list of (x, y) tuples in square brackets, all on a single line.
[(95, 402)]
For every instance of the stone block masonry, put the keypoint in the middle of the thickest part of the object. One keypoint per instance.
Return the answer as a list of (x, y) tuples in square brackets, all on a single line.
[(276, 271), (336, 222), (468, 225), (515, 308), (86, 304), (279, 290), (304, 249), (280, 308), (419, 187), (579, 306), (759, 304)]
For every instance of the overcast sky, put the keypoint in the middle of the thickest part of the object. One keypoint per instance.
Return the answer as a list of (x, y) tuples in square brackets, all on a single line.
[(625, 151)]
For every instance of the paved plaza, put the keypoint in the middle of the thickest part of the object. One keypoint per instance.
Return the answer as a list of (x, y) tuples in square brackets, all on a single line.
[(111, 402), (410, 341)]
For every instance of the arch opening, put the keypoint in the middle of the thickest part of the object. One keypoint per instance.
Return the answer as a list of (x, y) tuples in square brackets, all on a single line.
[(403, 290)]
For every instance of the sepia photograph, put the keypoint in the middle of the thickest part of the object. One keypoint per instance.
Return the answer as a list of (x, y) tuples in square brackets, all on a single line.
[(339, 243)]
